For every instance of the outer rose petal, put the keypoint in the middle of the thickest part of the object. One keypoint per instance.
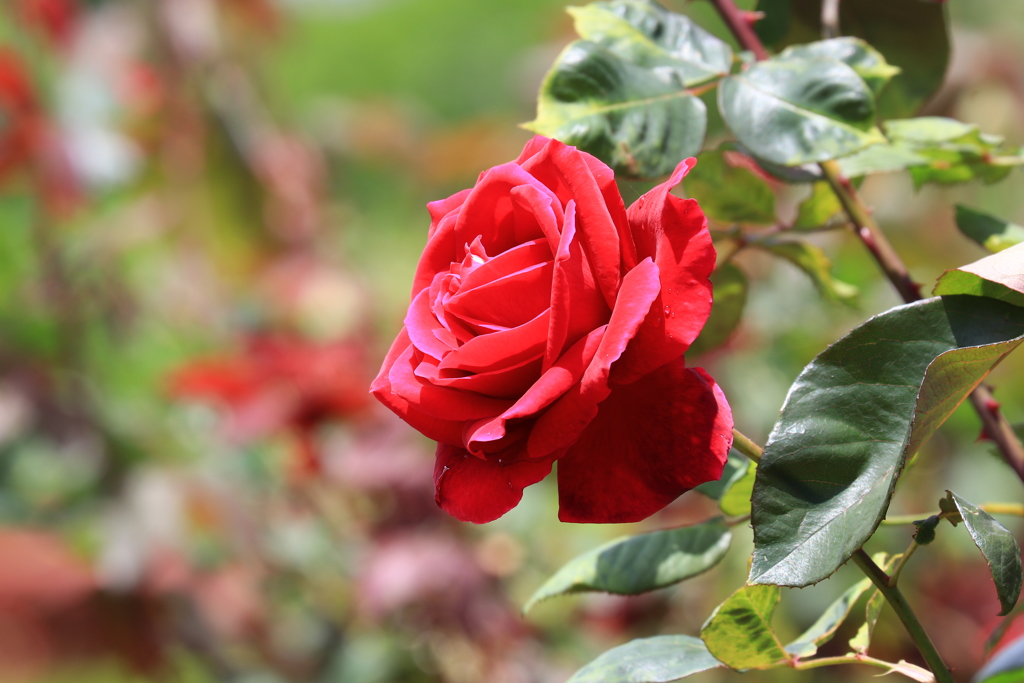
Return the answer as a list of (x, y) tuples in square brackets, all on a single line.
[(652, 440), (673, 232), (476, 490)]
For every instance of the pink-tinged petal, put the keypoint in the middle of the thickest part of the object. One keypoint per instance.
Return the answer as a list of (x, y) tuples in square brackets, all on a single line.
[(652, 440), (532, 148), (674, 233), (502, 349), (577, 306), (564, 170), (488, 211), (441, 402), (568, 417), (509, 301), (480, 490), (441, 251), (507, 383), (515, 259), (420, 325), (446, 431), (542, 209)]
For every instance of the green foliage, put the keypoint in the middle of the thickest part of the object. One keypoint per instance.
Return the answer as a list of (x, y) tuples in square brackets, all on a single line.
[(794, 111), (997, 276), (873, 608), (621, 92), (999, 548), (990, 232), (819, 209), (886, 26), (735, 469), (739, 633), (728, 193), (730, 295), (649, 660), (868, 62), (816, 265), (822, 630), (851, 418), (639, 564), (736, 500)]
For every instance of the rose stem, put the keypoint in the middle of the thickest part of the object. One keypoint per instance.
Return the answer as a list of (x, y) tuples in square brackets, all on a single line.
[(997, 427), (746, 446)]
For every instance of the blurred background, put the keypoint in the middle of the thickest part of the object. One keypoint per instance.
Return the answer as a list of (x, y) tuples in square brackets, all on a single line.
[(210, 212)]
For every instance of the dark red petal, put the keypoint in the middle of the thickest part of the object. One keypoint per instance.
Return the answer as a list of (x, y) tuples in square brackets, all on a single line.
[(652, 440), (564, 170), (488, 211), (440, 402), (502, 349), (674, 233), (447, 431), (478, 490), (563, 421)]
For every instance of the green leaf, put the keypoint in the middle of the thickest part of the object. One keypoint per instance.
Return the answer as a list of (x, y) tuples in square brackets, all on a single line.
[(649, 660), (822, 630), (648, 35), (730, 297), (735, 468), (625, 115), (990, 232), (739, 632), (873, 608), (728, 193), (795, 111), (999, 548), (999, 276), (886, 26), (816, 265), (736, 501), (868, 62), (880, 159), (852, 417), (638, 564), (819, 209), (1006, 666)]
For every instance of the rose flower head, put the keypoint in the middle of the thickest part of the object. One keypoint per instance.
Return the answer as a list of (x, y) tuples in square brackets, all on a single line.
[(548, 323)]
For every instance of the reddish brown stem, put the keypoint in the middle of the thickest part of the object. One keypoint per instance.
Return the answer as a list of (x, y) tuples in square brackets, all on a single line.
[(740, 28)]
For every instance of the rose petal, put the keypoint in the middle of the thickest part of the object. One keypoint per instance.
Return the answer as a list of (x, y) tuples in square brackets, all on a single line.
[(480, 490), (488, 211), (441, 248), (420, 325), (673, 232), (563, 421), (517, 258), (652, 440), (541, 209), (508, 301), (502, 349), (507, 383), (447, 431)]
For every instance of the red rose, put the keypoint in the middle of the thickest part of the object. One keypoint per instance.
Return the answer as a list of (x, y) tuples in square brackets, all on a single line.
[(548, 323)]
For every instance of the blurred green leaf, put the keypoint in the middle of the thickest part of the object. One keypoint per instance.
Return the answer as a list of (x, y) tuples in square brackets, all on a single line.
[(621, 92), (623, 114), (727, 193), (813, 261), (990, 232), (730, 297), (822, 630), (638, 564), (736, 500), (819, 209), (739, 632), (999, 548), (999, 276), (660, 659), (735, 467), (873, 609), (886, 26), (795, 111), (868, 62), (1006, 666), (851, 418)]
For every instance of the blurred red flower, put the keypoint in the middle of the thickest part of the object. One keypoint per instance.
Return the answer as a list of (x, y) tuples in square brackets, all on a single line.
[(549, 323), (56, 18), (281, 384)]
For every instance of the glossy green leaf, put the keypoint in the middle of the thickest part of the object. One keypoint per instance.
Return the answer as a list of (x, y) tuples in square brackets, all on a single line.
[(626, 115), (730, 297), (736, 501), (999, 548), (999, 276), (868, 62), (880, 159), (873, 608), (816, 265), (735, 468), (990, 232), (820, 209), (739, 632), (638, 564), (795, 111), (644, 33), (649, 660), (822, 630), (913, 36), (850, 419), (728, 193)]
